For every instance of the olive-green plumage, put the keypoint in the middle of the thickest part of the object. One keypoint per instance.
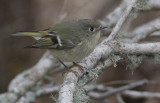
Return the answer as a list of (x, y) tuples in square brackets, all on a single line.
[(68, 41)]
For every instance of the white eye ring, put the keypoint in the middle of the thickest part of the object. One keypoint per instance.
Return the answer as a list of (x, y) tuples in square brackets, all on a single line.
[(91, 29)]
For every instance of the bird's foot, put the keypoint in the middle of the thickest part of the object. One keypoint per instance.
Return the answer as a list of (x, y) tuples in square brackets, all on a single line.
[(74, 72), (77, 65)]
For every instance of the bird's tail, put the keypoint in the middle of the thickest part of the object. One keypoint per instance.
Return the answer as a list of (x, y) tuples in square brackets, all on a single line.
[(34, 34)]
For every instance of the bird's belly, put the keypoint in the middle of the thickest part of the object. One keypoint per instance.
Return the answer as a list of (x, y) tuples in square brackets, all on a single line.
[(77, 53), (72, 55)]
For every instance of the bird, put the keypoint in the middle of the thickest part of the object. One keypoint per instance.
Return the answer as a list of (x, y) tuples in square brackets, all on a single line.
[(68, 41)]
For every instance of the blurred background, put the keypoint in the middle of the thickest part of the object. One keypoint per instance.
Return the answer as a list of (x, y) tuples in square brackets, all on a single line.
[(31, 15)]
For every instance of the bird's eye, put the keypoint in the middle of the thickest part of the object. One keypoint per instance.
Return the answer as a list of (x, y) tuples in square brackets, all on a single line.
[(91, 29)]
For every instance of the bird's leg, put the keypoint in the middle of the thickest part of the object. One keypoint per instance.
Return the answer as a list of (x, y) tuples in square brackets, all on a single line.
[(75, 65), (74, 72), (66, 68), (70, 68), (62, 63)]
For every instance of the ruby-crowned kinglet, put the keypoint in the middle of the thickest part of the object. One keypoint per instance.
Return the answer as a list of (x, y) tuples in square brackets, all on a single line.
[(68, 41)]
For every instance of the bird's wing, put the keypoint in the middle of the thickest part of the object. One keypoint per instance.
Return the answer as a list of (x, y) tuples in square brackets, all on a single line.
[(52, 41), (56, 37)]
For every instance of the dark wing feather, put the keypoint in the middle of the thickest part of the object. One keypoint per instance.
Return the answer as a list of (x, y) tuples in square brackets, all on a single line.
[(50, 41)]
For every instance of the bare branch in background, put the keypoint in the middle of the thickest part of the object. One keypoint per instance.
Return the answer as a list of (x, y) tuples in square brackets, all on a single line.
[(121, 20), (119, 98), (145, 30), (152, 5), (141, 94), (27, 79), (117, 90)]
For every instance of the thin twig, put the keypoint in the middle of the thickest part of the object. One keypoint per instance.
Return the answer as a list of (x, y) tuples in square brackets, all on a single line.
[(119, 98), (117, 90), (121, 21), (140, 94)]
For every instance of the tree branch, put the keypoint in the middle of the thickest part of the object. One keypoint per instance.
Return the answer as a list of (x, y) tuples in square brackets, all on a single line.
[(121, 20), (117, 90), (27, 79), (135, 48), (142, 31), (137, 94), (119, 98), (152, 5)]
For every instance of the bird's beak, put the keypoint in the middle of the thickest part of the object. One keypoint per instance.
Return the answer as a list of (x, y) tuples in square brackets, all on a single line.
[(101, 28)]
